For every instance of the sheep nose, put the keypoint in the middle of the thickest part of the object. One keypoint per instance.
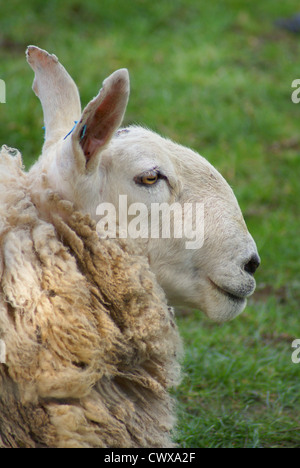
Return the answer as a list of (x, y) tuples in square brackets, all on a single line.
[(252, 264)]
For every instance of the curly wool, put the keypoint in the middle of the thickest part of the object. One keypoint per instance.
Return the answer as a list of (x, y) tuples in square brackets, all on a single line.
[(91, 347)]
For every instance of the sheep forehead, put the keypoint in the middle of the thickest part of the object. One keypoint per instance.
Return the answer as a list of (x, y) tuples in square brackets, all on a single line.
[(144, 148), (149, 144), (137, 149)]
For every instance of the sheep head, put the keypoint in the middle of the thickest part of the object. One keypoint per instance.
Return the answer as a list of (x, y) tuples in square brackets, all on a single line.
[(95, 162)]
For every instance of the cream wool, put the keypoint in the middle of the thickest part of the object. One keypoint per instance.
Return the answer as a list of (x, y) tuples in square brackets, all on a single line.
[(91, 346)]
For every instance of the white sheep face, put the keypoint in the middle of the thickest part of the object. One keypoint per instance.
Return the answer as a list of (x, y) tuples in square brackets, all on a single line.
[(96, 164)]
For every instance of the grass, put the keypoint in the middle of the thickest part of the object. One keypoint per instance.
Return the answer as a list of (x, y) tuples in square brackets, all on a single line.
[(215, 76), (240, 388)]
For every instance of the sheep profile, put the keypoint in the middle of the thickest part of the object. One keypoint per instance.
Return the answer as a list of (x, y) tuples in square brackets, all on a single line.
[(91, 347), (95, 162)]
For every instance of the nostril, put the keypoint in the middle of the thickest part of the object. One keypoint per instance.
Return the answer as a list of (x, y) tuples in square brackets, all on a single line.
[(252, 265)]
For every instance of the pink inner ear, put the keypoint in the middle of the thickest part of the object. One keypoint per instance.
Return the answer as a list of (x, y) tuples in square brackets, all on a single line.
[(100, 126), (91, 146)]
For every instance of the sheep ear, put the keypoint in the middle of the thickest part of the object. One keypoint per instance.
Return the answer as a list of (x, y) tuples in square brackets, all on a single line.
[(101, 119), (57, 92)]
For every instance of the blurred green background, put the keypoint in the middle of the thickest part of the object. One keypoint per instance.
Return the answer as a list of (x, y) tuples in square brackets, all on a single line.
[(215, 76)]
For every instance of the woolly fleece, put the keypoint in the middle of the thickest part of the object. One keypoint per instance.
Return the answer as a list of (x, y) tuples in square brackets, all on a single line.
[(91, 347)]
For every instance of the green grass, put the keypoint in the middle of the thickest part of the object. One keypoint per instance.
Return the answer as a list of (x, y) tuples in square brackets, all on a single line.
[(215, 76), (240, 387)]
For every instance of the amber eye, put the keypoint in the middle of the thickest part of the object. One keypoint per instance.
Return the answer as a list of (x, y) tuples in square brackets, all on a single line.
[(149, 178)]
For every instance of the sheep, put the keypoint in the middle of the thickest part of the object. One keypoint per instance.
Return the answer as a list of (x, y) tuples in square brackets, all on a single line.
[(96, 161), (91, 347)]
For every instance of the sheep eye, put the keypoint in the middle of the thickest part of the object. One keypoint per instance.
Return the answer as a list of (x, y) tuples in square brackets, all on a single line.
[(147, 179)]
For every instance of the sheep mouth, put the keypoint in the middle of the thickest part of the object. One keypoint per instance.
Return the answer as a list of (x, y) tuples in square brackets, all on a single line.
[(229, 295)]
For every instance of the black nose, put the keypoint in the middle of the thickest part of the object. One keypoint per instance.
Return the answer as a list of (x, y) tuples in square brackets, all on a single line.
[(252, 265)]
